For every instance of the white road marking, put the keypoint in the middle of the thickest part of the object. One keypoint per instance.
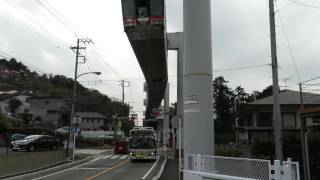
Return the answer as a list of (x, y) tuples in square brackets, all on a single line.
[(114, 157), (59, 172), (151, 169), (106, 157), (91, 168), (123, 157)]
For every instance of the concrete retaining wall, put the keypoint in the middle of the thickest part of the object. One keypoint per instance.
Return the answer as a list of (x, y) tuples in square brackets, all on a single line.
[(26, 161)]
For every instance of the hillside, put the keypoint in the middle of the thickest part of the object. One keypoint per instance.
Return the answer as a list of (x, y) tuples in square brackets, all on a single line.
[(16, 76)]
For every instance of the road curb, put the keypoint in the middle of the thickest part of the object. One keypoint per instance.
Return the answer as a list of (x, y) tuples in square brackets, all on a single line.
[(163, 165)]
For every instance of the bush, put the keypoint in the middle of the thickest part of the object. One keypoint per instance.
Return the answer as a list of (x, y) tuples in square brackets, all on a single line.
[(4, 123), (225, 150)]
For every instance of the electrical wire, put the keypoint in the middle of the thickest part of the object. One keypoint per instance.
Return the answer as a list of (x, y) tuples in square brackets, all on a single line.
[(304, 4), (62, 20), (8, 57), (35, 22), (289, 46), (72, 28)]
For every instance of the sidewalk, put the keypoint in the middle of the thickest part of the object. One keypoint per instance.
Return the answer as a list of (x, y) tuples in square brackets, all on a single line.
[(171, 171)]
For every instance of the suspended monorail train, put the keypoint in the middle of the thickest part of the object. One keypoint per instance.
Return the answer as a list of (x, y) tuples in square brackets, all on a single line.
[(143, 12)]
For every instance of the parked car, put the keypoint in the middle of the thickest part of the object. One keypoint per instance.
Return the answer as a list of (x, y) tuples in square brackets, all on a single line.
[(63, 130), (15, 137), (121, 146), (33, 142)]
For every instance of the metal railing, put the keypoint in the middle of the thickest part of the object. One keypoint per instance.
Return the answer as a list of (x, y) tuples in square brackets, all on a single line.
[(241, 168)]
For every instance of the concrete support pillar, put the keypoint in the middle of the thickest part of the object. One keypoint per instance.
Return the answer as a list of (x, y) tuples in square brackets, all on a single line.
[(166, 118), (197, 79)]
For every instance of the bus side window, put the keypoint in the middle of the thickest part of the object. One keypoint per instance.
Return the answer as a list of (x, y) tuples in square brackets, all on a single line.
[(143, 8)]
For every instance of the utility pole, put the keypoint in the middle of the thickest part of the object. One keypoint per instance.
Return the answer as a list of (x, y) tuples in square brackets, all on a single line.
[(276, 105), (304, 147), (73, 101), (123, 85)]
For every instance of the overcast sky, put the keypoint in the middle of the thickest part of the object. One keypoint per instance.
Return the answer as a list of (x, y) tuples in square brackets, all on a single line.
[(35, 36)]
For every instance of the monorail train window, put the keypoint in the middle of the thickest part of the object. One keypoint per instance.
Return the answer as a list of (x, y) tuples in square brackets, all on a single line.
[(142, 8), (129, 8), (157, 7)]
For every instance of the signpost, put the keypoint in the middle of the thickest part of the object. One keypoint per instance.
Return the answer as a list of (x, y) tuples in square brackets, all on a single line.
[(74, 132)]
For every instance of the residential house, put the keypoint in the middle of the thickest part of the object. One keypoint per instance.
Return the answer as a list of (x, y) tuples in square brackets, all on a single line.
[(255, 120), (49, 110), (4, 71), (24, 108), (90, 121)]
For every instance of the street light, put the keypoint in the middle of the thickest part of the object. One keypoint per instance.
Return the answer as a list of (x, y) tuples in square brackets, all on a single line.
[(73, 105)]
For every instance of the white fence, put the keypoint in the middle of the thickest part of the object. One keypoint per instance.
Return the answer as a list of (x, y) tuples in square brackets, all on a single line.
[(101, 134), (217, 167)]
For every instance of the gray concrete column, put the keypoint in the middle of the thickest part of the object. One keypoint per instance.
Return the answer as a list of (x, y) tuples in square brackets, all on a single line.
[(197, 80)]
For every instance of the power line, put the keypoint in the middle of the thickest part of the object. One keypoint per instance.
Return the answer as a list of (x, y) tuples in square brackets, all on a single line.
[(289, 45), (63, 21), (8, 57), (241, 68), (72, 28), (35, 22), (304, 4)]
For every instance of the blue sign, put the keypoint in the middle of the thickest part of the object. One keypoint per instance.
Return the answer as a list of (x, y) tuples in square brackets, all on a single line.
[(74, 130)]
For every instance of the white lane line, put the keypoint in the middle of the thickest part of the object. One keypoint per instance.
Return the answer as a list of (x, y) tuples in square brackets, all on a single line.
[(151, 169), (123, 157), (59, 172), (91, 168), (106, 157), (114, 157)]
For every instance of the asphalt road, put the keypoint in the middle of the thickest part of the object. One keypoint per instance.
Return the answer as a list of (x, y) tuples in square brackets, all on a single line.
[(106, 166)]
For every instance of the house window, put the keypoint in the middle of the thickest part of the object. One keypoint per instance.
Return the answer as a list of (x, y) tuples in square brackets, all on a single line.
[(248, 120), (92, 120), (98, 121), (46, 102), (289, 119), (265, 119), (316, 120), (87, 120)]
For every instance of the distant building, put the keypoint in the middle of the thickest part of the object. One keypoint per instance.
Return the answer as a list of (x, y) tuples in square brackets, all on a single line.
[(24, 108), (256, 120), (4, 71), (49, 110), (90, 121)]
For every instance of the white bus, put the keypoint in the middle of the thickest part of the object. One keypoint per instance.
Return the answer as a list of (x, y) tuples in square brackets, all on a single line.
[(142, 143)]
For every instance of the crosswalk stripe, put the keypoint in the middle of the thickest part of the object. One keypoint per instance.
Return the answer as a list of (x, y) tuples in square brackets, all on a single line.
[(114, 157), (123, 157), (106, 157)]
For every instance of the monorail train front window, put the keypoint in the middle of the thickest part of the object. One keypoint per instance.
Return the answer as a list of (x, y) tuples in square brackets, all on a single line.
[(157, 7), (142, 8), (129, 8)]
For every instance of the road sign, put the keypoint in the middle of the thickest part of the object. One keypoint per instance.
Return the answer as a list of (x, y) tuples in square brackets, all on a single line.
[(74, 130)]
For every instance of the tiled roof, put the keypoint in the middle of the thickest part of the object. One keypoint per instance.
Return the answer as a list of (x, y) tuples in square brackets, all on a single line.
[(290, 97)]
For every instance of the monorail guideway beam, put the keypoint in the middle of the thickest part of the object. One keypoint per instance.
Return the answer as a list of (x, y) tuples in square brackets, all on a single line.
[(144, 24)]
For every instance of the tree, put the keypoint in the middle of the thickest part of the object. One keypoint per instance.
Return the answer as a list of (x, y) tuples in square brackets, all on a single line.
[(4, 123), (223, 103), (14, 104)]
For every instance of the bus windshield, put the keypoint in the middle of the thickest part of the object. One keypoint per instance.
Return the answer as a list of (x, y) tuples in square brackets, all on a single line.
[(140, 142)]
